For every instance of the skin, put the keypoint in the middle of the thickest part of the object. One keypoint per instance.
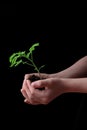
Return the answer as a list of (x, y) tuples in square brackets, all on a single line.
[(72, 79)]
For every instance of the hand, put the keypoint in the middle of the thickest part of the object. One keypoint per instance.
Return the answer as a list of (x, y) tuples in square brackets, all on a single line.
[(53, 88), (26, 90)]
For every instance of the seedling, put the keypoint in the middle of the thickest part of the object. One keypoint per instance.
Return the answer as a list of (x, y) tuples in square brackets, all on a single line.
[(24, 57)]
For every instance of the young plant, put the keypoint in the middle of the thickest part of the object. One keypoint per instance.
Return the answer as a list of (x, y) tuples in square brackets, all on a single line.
[(23, 57)]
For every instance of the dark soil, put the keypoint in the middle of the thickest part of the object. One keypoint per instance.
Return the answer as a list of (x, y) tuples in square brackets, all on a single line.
[(35, 78)]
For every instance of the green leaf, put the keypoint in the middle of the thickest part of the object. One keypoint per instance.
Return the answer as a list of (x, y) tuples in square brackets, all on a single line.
[(32, 48), (41, 67), (12, 56), (20, 61), (17, 58), (28, 55)]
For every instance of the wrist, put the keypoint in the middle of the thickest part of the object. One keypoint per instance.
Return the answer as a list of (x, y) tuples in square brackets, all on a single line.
[(67, 85), (57, 75)]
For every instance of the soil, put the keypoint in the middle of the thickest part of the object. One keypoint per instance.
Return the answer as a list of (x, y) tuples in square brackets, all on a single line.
[(35, 78)]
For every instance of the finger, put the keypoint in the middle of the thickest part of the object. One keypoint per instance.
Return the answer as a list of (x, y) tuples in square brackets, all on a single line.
[(24, 93), (29, 86), (26, 76), (40, 83), (25, 90), (24, 84), (31, 102), (26, 101), (34, 95), (29, 75), (28, 92), (36, 99), (32, 88), (31, 98)]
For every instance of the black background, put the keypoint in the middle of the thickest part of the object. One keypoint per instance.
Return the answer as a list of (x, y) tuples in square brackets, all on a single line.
[(83, 4), (7, 9), (62, 38)]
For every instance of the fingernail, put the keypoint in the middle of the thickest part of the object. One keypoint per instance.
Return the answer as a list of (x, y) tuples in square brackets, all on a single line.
[(21, 90), (25, 100)]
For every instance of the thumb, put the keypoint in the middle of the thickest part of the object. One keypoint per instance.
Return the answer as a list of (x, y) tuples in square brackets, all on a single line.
[(40, 83)]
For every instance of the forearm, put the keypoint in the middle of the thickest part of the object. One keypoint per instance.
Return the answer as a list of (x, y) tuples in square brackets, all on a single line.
[(77, 70), (75, 84)]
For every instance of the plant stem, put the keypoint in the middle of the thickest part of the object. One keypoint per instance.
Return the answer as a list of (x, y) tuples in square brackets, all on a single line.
[(36, 68)]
